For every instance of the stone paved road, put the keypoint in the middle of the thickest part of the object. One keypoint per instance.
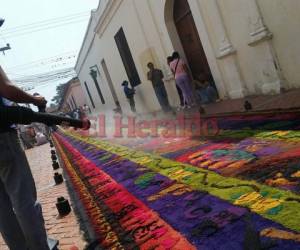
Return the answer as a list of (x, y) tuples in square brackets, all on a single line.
[(66, 229)]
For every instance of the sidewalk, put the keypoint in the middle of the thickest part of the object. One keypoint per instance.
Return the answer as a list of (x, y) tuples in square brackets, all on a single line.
[(288, 100), (284, 101), (65, 229)]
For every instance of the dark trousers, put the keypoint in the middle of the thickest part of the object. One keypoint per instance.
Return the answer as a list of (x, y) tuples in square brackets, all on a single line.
[(132, 104), (162, 97), (21, 219), (180, 95)]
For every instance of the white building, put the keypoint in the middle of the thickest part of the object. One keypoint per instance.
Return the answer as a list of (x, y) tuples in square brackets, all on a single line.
[(248, 46)]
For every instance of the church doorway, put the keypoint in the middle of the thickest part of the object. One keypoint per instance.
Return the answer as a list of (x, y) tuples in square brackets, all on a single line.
[(190, 40)]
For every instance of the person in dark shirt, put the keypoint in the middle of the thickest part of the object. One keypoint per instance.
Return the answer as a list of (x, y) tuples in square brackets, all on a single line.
[(129, 93), (156, 77)]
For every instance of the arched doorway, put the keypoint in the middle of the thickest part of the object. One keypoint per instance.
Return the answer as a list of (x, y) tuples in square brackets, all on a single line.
[(190, 39)]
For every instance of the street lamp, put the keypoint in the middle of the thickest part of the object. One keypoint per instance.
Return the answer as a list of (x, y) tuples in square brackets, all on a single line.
[(93, 74), (3, 49)]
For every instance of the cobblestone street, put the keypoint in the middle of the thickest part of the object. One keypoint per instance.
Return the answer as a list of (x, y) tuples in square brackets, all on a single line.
[(65, 229)]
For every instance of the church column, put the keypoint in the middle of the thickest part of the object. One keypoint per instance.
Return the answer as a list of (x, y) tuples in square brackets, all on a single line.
[(225, 52), (261, 38)]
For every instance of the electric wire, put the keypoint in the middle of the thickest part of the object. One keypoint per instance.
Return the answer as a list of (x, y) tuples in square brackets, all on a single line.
[(44, 22), (54, 63), (45, 77), (43, 29), (43, 59), (63, 59)]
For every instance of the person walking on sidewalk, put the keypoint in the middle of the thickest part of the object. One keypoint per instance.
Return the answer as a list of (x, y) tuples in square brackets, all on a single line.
[(182, 79), (21, 220), (156, 77), (129, 93)]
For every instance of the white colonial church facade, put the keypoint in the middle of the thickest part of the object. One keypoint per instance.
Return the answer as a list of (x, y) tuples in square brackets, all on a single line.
[(249, 47)]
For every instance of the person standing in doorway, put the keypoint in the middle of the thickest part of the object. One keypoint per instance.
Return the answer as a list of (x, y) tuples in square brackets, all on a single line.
[(182, 79), (169, 60), (129, 93), (156, 77), (205, 89)]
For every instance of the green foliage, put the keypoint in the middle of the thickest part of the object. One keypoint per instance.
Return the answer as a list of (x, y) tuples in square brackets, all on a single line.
[(60, 90)]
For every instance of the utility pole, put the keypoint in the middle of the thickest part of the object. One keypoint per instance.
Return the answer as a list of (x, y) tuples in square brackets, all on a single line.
[(7, 47), (3, 49)]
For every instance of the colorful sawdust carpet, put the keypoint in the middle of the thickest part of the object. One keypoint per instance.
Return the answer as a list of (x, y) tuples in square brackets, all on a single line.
[(238, 189)]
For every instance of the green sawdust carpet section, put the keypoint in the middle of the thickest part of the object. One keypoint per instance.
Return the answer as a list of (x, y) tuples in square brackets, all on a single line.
[(261, 134), (277, 205)]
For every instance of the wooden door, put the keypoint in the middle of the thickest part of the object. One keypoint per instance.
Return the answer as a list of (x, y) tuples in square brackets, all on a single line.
[(190, 39), (127, 58)]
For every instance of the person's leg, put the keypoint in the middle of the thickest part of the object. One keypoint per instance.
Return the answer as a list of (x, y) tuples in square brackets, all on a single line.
[(204, 97), (19, 184), (198, 96), (180, 95), (179, 84), (183, 84), (132, 104), (9, 226), (165, 98), (187, 90), (162, 97), (159, 96), (212, 93)]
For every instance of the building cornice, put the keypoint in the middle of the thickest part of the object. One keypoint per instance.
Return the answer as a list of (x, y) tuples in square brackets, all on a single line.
[(89, 27), (108, 12), (102, 17)]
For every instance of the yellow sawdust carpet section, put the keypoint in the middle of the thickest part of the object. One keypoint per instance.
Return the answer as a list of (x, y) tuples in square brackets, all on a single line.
[(277, 205)]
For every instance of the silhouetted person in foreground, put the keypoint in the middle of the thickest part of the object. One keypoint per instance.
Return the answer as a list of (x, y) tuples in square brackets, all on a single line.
[(21, 219)]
